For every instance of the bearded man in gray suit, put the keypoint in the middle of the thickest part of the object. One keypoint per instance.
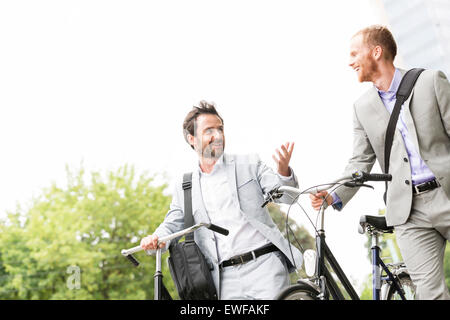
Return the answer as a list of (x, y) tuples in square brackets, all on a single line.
[(228, 190), (417, 203)]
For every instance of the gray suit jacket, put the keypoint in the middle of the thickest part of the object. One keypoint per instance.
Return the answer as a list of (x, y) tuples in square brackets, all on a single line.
[(249, 180), (427, 117)]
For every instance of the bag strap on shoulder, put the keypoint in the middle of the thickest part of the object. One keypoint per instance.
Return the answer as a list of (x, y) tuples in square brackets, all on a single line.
[(188, 218), (403, 93)]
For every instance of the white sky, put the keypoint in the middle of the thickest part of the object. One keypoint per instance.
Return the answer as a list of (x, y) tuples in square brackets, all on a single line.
[(109, 83)]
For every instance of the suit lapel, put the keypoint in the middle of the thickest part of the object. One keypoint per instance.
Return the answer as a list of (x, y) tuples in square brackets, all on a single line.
[(230, 166), (407, 117), (409, 122), (378, 107), (197, 199)]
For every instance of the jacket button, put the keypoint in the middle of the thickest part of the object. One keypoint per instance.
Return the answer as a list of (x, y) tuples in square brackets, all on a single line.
[(407, 182), (405, 159)]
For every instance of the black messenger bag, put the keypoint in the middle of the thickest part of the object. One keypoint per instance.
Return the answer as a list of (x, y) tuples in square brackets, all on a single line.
[(188, 267)]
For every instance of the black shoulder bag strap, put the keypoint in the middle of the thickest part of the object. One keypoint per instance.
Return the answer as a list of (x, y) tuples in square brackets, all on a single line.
[(188, 218), (403, 92)]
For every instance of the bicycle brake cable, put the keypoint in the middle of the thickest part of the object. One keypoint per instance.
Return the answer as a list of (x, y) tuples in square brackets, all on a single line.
[(294, 200)]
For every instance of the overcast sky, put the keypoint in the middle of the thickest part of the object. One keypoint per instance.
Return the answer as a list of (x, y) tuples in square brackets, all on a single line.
[(110, 82)]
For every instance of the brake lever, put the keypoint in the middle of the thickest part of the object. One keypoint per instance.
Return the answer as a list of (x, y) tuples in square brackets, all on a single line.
[(357, 184), (265, 203), (271, 196)]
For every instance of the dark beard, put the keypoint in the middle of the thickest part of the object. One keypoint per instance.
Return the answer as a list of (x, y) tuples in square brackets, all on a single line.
[(210, 153)]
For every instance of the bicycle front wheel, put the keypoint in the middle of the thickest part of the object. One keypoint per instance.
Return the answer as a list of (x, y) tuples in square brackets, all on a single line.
[(300, 291), (406, 285)]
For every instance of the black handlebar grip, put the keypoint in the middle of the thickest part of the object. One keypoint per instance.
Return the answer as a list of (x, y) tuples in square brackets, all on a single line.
[(364, 176), (133, 260), (218, 229), (377, 177)]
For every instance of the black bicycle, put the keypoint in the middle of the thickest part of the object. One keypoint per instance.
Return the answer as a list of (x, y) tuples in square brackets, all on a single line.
[(394, 283)]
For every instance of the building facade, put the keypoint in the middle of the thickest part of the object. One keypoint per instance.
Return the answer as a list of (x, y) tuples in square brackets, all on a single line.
[(421, 29)]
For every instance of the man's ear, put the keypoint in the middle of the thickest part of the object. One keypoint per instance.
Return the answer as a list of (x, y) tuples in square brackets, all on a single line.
[(191, 139), (377, 52)]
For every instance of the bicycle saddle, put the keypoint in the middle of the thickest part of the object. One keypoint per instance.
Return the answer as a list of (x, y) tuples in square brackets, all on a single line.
[(376, 222)]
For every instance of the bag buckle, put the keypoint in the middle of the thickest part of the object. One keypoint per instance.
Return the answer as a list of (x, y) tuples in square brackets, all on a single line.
[(186, 185)]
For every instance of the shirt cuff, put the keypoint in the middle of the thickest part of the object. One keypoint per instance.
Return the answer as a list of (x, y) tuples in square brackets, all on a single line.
[(289, 177), (337, 202)]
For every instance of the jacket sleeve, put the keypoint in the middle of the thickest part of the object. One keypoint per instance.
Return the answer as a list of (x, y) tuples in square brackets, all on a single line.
[(442, 88), (363, 158), (268, 180), (174, 220)]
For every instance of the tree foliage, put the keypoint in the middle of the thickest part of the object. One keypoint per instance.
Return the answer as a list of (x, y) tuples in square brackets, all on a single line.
[(298, 235), (82, 226), (67, 243)]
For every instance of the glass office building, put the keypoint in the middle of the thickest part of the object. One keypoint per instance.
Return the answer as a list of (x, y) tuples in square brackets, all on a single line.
[(422, 31)]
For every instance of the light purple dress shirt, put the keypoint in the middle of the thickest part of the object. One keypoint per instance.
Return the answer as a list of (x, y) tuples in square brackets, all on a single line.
[(419, 171)]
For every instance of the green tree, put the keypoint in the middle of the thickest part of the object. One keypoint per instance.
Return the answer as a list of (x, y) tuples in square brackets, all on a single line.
[(82, 227), (302, 240), (298, 235), (447, 266)]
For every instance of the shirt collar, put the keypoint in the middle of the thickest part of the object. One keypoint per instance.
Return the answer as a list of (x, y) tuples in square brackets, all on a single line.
[(395, 83), (218, 164)]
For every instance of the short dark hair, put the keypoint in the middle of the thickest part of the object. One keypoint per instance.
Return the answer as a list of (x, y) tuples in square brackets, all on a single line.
[(203, 107), (378, 35)]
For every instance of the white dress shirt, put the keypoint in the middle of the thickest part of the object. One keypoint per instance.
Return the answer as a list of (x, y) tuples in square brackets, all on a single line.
[(222, 211)]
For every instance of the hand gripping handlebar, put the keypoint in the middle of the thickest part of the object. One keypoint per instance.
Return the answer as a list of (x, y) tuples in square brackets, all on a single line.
[(128, 253)]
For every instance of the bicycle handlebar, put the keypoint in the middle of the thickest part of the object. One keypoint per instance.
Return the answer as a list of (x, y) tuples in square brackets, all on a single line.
[(128, 253), (356, 179), (364, 176), (218, 229)]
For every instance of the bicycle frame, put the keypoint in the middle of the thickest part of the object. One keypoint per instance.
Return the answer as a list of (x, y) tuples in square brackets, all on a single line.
[(160, 291), (324, 254), (326, 282), (377, 266)]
